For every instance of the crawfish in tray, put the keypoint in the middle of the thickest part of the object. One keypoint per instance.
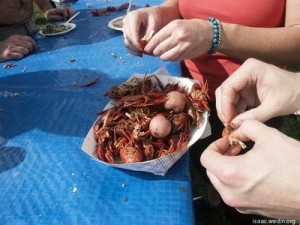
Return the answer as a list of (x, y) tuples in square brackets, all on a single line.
[(148, 120)]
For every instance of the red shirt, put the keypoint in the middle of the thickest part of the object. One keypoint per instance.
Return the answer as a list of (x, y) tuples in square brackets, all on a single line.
[(214, 69)]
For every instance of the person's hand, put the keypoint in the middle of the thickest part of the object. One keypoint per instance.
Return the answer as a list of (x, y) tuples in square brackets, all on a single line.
[(16, 47), (59, 14), (257, 90), (181, 39), (136, 24), (262, 181)]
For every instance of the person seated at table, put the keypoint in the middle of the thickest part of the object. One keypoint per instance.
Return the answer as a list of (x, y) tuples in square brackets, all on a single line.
[(17, 25), (264, 180), (213, 38)]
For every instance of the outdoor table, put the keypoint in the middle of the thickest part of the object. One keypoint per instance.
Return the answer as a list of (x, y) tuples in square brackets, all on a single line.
[(45, 114)]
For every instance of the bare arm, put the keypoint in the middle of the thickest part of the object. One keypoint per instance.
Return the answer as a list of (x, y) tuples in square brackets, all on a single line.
[(267, 44)]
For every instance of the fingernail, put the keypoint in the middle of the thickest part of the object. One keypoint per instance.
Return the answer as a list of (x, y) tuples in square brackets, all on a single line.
[(236, 123)]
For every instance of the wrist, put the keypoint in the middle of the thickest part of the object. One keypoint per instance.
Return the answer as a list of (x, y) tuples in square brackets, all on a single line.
[(217, 34)]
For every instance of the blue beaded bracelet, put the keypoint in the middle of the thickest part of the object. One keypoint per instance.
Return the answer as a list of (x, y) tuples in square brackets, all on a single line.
[(216, 35)]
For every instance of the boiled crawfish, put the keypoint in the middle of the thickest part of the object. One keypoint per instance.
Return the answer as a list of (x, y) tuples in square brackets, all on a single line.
[(227, 132), (122, 133), (198, 102)]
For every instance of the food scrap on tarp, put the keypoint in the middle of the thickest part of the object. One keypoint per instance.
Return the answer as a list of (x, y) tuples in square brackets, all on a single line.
[(90, 83), (105, 11), (9, 65)]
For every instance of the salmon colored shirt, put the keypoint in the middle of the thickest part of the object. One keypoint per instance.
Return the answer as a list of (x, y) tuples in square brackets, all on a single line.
[(253, 13)]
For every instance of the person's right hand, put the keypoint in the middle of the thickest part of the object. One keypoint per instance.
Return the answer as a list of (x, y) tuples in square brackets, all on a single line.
[(55, 14), (136, 24), (262, 181), (16, 47), (259, 91)]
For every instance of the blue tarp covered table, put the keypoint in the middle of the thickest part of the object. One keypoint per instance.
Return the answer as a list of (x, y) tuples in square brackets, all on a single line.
[(45, 177)]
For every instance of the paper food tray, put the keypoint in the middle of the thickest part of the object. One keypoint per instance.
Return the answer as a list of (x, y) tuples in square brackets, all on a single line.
[(161, 165)]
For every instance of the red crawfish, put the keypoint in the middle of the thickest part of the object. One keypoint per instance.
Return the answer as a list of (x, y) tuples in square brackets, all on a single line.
[(148, 150), (197, 102), (135, 86), (141, 100), (180, 121), (130, 154), (227, 132)]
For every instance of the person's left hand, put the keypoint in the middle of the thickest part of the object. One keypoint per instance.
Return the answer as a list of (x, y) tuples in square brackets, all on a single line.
[(181, 39), (16, 47), (59, 14), (262, 181)]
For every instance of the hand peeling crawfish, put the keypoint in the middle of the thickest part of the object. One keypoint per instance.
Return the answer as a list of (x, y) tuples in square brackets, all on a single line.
[(123, 133), (227, 132)]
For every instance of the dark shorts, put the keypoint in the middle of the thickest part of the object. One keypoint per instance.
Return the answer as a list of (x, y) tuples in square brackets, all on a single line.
[(28, 28)]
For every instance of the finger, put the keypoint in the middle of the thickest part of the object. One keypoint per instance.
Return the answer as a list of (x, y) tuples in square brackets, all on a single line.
[(131, 34), (70, 11), (231, 88), (233, 150), (212, 158), (240, 107), (20, 50), (62, 13), (173, 54), (55, 17), (226, 100), (13, 55), (160, 42), (65, 15), (251, 130), (29, 39), (28, 45), (133, 51), (222, 116), (215, 181), (246, 210), (27, 42), (218, 98)]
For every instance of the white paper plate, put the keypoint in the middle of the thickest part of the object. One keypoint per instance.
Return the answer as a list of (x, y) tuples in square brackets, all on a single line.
[(113, 24), (71, 27), (161, 165)]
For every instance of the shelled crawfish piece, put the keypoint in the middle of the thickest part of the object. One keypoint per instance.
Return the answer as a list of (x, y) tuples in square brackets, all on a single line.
[(227, 132), (105, 11)]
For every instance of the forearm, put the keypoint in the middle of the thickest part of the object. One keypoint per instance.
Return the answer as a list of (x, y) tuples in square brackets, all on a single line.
[(266, 44), (169, 10)]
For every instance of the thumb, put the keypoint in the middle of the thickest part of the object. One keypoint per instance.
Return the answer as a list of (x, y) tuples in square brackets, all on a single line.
[(213, 156)]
